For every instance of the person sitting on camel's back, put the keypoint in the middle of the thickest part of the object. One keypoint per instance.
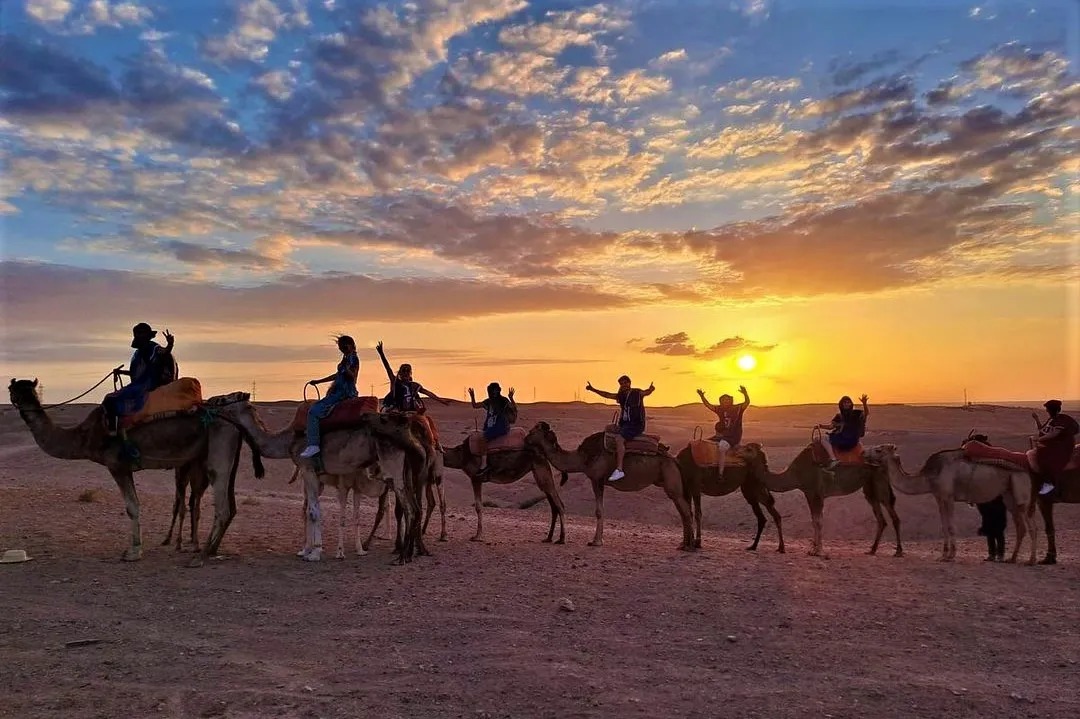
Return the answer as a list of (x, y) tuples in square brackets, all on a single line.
[(1054, 444), (151, 366), (342, 387), (501, 415), (846, 428), (729, 423), (404, 395), (631, 418)]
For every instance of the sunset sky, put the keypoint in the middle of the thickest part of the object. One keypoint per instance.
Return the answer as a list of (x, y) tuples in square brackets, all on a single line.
[(862, 196)]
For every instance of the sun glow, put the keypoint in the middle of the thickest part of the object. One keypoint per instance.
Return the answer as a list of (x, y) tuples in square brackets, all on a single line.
[(746, 363)]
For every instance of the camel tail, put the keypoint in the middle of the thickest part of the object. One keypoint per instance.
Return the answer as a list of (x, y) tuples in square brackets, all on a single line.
[(295, 474), (256, 462), (249, 440), (565, 478)]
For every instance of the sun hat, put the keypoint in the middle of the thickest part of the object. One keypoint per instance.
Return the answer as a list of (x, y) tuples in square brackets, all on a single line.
[(14, 556)]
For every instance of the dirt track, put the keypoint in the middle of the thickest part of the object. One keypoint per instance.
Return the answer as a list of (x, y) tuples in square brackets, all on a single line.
[(476, 630)]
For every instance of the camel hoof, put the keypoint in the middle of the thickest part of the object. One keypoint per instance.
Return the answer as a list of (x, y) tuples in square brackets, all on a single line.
[(871, 552), (752, 548), (596, 543), (196, 562), (560, 540), (339, 554), (546, 541), (315, 555), (476, 538), (131, 555), (167, 542), (781, 550), (1011, 560), (443, 538), (1048, 561), (898, 553)]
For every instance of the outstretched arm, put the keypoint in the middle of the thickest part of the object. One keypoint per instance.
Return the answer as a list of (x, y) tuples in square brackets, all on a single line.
[(385, 362), (602, 393), (323, 380), (865, 407), (647, 392), (710, 407), (472, 399), (746, 397), (428, 393)]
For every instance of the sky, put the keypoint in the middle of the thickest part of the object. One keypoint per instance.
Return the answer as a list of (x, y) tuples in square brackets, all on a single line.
[(810, 199)]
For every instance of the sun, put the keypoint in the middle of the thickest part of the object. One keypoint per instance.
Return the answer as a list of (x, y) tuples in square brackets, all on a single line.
[(746, 363)]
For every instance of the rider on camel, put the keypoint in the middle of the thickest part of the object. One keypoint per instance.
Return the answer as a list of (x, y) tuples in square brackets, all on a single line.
[(1054, 444), (501, 411), (343, 387), (151, 366), (729, 423), (846, 428), (631, 418)]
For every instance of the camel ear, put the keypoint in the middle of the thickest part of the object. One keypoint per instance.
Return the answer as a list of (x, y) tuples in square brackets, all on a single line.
[(35, 383)]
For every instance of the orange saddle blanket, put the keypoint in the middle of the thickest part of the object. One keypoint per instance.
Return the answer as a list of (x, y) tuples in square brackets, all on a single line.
[(979, 452), (642, 444), (345, 414), (707, 454), (843, 456), (183, 395), (512, 442)]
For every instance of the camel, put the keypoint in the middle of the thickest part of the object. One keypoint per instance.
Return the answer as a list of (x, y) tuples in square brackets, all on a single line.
[(698, 480), (817, 485), (951, 478), (368, 482), (193, 476), (188, 442), (592, 459), (383, 439), (1067, 492), (508, 467)]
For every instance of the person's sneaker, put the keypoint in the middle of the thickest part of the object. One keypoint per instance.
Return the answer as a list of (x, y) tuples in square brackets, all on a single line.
[(1046, 489), (833, 464), (616, 475), (310, 451)]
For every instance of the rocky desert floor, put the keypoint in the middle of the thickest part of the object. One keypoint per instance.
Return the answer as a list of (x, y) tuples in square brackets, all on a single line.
[(483, 629)]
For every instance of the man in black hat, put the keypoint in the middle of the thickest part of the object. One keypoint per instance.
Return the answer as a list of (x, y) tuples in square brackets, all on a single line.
[(501, 414), (1054, 444), (151, 367)]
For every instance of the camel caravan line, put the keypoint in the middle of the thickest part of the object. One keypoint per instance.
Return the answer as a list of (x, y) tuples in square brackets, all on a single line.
[(362, 449)]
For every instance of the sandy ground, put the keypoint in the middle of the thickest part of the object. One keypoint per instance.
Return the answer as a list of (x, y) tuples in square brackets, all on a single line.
[(477, 631)]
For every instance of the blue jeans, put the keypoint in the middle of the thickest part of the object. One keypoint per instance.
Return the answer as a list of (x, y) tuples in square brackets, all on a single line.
[(319, 411)]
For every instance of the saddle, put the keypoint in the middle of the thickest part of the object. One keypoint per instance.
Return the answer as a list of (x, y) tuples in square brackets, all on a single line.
[(706, 454), (853, 457), (345, 414), (647, 444), (1000, 457), (512, 442), (169, 400)]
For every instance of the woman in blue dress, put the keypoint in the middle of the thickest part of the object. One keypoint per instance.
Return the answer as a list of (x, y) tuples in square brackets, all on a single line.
[(342, 387)]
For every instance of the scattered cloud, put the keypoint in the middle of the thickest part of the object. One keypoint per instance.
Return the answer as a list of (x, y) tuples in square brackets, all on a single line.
[(680, 345)]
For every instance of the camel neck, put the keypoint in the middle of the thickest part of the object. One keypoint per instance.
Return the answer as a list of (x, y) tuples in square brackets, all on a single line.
[(272, 444), (906, 483), (59, 442), (784, 481), (565, 460)]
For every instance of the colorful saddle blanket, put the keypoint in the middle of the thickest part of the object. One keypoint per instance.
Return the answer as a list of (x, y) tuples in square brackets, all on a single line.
[(512, 442), (642, 444), (990, 454), (345, 414), (706, 454), (183, 395)]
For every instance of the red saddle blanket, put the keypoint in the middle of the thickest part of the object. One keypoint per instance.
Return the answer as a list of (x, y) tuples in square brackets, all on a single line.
[(512, 442), (642, 444), (843, 456), (707, 454), (989, 454), (345, 414), (183, 395)]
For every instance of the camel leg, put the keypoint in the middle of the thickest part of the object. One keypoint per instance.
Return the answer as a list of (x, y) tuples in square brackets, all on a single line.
[(195, 508), (478, 505), (343, 509), (126, 483), (674, 490), (178, 508), (430, 507), (752, 500), (1021, 529), (545, 481), (817, 509), (880, 517), (379, 514), (223, 461), (770, 506), (313, 519), (598, 500), (443, 535), (942, 504), (356, 523), (695, 501), (890, 507), (1046, 508)]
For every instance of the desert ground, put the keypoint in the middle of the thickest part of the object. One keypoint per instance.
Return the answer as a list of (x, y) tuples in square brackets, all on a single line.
[(478, 629)]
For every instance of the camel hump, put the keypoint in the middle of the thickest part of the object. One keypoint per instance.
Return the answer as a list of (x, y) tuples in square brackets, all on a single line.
[(514, 441), (168, 400), (641, 444), (346, 413), (706, 453), (843, 456), (997, 456)]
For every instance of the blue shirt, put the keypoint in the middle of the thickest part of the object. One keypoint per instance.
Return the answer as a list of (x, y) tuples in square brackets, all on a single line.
[(344, 386)]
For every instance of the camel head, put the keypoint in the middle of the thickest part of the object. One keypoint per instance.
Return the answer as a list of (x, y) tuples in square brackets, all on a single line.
[(752, 453), (540, 435), (880, 454), (23, 393)]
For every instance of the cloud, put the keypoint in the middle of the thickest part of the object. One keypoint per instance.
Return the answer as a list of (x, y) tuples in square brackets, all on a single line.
[(48, 12), (680, 345), (256, 24), (848, 70), (57, 296), (671, 57)]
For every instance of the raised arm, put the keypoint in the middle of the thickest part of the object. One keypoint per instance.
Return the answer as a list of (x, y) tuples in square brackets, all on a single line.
[(602, 393), (472, 399), (169, 342), (746, 397), (647, 392), (865, 407), (385, 362), (710, 407)]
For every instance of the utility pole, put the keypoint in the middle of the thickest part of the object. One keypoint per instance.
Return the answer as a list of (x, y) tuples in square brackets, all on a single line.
[(252, 390)]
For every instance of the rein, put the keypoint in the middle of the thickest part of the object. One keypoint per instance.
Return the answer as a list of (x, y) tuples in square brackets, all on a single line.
[(318, 394), (112, 374)]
